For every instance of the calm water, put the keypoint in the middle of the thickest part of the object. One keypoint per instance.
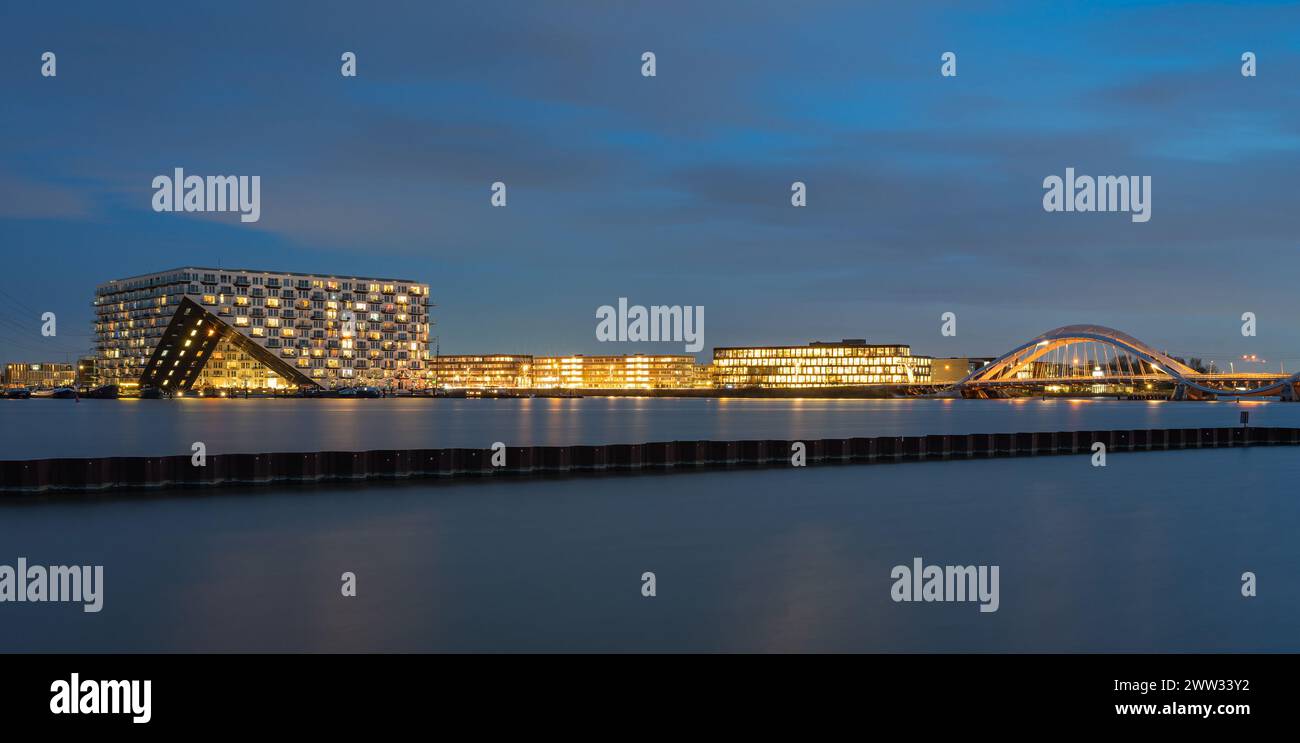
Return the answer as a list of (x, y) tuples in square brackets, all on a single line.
[(1144, 554), (47, 428)]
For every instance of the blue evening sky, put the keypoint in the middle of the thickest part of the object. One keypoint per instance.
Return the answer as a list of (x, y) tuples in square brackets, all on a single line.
[(924, 193)]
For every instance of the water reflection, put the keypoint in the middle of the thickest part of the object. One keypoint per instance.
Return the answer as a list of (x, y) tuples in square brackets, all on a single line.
[(1144, 555), (47, 428)]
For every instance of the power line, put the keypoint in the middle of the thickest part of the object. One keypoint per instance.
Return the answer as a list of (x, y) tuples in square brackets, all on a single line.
[(22, 305)]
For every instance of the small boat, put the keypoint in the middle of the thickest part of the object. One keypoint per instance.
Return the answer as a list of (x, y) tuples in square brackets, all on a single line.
[(64, 393), (104, 392), (369, 392), (150, 393), (42, 392), (346, 392), (497, 394), (18, 393)]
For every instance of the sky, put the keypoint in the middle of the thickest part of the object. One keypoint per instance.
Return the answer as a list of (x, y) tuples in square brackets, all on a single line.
[(924, 192)]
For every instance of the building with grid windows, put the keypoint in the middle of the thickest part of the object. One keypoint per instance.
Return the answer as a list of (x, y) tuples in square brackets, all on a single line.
[(483, 372), (627, 372), (847, 363), (42, 375), (224, 328)]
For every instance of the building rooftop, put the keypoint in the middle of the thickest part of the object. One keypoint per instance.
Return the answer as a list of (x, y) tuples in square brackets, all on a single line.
[(209, 269), (847, 342)]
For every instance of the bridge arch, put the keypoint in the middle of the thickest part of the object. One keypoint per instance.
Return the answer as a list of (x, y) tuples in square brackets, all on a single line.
[(1131, 359)]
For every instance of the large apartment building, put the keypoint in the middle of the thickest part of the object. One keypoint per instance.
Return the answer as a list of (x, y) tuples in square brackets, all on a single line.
[(245, 329)]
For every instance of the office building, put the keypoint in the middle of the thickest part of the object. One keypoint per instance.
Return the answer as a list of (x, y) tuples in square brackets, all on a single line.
[(846, 363), (40, 375), (494, 371), (626, 372)]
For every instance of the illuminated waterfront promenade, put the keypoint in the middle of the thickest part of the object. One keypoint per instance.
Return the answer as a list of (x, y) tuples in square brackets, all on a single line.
[(223, 332)]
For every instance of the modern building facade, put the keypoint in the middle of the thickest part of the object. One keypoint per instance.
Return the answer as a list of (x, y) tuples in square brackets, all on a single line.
[(88, 371), (953, 369), (487, 372), (846, 363), (627, 372), (524, 371), (42, 375), (261, 330), (702, 376)]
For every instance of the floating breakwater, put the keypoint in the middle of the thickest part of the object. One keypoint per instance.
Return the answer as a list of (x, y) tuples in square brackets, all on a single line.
[(179, 471)]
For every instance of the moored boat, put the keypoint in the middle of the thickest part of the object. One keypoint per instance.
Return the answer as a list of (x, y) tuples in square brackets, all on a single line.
[(104, 392)]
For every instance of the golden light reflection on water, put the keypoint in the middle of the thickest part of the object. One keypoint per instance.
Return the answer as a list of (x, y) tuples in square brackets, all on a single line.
[(160, 427)]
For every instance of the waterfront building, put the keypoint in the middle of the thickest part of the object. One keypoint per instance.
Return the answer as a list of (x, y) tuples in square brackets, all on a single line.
[(43, 374), (847, 363), (494, 371), (702, 376), (248, 329), (87, 371), (954, 369), (626, 372)]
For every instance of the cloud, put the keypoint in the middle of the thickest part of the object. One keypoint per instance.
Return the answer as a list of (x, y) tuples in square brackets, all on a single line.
[(30, 198), (922, 191)]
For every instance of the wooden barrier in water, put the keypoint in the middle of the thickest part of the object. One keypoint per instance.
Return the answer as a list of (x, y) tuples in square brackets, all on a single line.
[(143, 473)]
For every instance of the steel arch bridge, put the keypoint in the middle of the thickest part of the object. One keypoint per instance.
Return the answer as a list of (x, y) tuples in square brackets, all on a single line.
[(1094, 355)]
